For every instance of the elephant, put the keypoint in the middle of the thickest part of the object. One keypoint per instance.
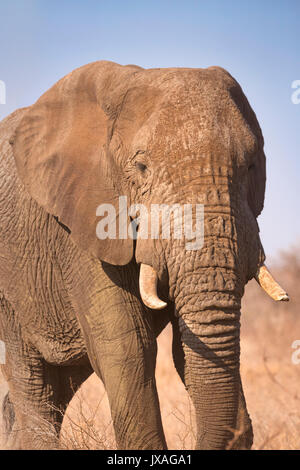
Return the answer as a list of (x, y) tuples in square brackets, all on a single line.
[(73, 303)]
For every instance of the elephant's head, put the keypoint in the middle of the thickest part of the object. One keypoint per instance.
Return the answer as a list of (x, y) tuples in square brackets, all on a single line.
[(161, 136)]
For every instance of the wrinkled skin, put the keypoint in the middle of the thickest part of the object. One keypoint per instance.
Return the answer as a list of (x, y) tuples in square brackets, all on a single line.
[(70, 303)]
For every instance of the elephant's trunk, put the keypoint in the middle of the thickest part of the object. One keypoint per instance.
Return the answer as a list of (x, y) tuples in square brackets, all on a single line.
[(209, 324)]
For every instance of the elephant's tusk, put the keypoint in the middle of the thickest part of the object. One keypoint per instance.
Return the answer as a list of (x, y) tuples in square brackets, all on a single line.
[(148, 288), (268, 283)]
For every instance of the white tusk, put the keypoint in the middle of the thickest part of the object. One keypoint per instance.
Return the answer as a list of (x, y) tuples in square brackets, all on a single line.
[(148, 288), (268, 283)]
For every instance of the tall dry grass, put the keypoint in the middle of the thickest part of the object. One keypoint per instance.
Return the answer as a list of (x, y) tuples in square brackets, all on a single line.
[(270, 379)]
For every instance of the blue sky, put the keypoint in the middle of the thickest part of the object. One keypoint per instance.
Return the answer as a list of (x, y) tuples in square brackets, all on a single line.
[(257, 41)]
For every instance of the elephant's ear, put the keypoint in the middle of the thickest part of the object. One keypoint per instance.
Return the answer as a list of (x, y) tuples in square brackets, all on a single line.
[(257, 183), (257, 164), (60, 149)]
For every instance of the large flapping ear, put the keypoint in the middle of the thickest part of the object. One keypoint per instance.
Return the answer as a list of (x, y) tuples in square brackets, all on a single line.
[(257, 166), (60, 149), (257, 183)]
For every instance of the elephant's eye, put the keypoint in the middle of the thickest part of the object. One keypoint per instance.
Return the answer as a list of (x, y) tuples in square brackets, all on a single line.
[(141, 167)]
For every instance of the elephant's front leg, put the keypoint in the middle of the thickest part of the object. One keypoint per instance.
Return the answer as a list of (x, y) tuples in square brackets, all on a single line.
[(122, 349), (127, 355)]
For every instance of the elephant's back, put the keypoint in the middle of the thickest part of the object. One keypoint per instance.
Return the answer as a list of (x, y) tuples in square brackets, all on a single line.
[(8, 127), (8, 172), (12, 195), (10, 186), (11, 121)]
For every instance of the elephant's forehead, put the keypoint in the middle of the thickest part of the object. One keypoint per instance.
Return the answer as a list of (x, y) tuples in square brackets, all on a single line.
[(198, 113), (189, 86), (165, 77), (186, 126)]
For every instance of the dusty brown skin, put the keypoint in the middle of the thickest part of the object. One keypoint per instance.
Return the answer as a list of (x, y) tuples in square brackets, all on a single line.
[(70, 303)]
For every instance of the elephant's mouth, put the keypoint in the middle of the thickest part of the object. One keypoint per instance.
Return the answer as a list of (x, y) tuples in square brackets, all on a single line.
[(148, 286)]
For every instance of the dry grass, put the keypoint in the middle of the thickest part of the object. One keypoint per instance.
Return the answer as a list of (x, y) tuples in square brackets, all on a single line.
[(270, 379)]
